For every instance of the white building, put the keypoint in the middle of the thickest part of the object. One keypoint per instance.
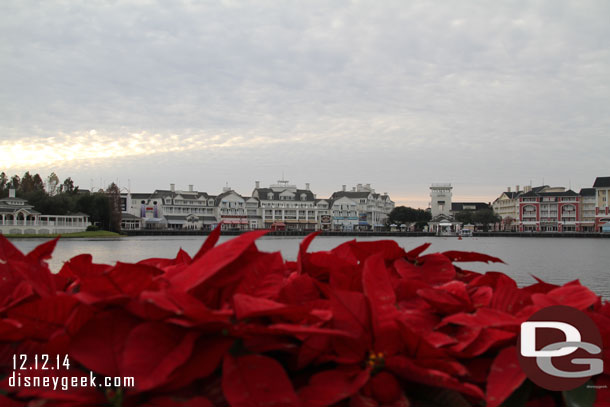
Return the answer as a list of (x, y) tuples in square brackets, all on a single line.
[(285, 207), (360, 209), (174, 209), (587, 209), (18, 217), (507, 207), (231, 210)]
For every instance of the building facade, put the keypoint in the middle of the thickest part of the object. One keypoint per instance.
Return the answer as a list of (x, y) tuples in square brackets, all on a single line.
[(549, 209), (360, 209), (18, 217), (587, 209), (507, 207), (283, 206), (602, 209)]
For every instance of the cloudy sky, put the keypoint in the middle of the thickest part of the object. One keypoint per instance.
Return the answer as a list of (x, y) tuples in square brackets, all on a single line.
[(398, 94)]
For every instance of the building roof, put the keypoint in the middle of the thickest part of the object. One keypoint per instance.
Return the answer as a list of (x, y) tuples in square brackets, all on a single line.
[(587, 192), (601, 182), (263, 194), (350, 194), (459, 206)]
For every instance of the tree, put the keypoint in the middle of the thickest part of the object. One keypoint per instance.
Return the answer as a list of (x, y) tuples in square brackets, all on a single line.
[(464, 217), (38, 183), (114, 197), (15, 182), (407, 215), (485, 217), (27, 183), (3, 185), (68, 187)]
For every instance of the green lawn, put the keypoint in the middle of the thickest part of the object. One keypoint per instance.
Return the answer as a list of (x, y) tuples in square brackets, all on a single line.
[(99, 233)]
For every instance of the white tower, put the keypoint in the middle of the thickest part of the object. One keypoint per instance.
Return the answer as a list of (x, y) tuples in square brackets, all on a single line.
[(441, 199)]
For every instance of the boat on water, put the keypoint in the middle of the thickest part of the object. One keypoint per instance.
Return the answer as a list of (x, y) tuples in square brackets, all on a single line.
[(465, 233)]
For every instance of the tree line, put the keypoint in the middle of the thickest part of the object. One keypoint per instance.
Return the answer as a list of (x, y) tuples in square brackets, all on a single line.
[(52, 197), (420, 218)]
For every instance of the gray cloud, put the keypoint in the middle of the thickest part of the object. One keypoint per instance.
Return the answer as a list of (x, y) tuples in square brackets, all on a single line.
[(397, 93)]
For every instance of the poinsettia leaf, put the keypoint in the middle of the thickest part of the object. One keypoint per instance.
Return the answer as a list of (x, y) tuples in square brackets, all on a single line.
[(107, 333), (153, 350), (214, 260), (519, 397), (576, 296), (414, 253), (504, 378), (582, 396), (257, 381), (384, 313), (331, 386), (209, 243), (459, 256), (8, 251), (43, 251), (437, 396), (301, 257)]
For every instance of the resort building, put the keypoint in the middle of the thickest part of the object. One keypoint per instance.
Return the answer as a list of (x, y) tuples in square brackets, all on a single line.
[(443, 209), (602, 194), (587, 209), (507, 207), (231, 210), (285, 207), (17, 216), (360, 209), (173, 209), (549, 209)]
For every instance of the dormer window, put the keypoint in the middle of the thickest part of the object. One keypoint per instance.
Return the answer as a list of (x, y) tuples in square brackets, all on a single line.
[(270, 196)]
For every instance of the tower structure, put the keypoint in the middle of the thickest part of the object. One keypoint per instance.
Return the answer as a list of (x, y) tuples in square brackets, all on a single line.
[(440, 203)]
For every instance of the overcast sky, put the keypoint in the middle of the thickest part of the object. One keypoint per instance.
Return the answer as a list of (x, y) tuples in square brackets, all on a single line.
[(398, 94)]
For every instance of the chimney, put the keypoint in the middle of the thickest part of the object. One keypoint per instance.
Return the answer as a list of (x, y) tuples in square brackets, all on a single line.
[(307, 186), (257, 184), (508, 189), (344, 187), (191, 188), (368, 186), (517, 188), (11, 193), (172, 187)]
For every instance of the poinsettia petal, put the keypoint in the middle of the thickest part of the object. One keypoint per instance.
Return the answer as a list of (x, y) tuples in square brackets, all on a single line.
[(460, 256), (576, 296), (153, 350), (214, 260), (331, 386), (256, 381), (505, 376), (209, 243), (107, 333), (384, 313)]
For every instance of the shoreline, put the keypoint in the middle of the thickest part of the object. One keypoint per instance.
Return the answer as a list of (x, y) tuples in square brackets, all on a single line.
[(364, 234), (101, 234)]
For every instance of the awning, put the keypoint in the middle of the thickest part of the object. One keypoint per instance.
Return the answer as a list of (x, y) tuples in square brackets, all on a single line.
[(278, 224), (235, 221)]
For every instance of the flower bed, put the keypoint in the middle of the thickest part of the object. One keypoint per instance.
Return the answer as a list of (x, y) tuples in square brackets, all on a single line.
[(365, 324)]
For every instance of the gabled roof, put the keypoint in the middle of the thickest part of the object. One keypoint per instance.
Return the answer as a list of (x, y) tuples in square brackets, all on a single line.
[(587, 192), (569, 192), (601, 182), (218, 198), (350, 194), (263, 194)]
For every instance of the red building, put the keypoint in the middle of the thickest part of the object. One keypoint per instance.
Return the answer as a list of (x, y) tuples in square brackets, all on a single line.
[(547, 209)]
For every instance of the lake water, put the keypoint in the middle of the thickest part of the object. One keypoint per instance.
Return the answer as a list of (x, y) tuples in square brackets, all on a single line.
[(556, 260)]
